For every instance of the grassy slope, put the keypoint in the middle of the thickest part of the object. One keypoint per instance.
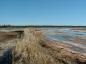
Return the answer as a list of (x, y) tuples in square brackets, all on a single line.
[(32, 49)]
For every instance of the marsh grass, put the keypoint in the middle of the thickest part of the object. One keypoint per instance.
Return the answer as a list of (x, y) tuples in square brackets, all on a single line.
[(32, 49)]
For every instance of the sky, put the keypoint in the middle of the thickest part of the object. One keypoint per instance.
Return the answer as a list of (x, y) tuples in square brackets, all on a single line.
[(43, 12)]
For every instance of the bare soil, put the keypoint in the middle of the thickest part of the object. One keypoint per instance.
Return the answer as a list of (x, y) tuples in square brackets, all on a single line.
[(4, 36)]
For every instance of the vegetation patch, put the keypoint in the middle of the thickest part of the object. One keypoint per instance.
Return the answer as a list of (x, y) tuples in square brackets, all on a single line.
[(32, 49)]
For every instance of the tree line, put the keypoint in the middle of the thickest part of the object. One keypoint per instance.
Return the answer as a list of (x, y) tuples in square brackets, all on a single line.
[(38, 26)]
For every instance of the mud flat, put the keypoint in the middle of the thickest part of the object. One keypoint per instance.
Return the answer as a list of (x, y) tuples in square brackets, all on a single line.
[(79, 29), (65, 49), (76, 41), (36, 48)]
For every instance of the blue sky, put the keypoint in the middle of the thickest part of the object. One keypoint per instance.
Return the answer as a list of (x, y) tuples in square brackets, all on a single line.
[(43, 12)]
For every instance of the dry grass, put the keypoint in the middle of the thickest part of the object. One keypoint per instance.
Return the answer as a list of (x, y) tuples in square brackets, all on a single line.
[(32, 49)]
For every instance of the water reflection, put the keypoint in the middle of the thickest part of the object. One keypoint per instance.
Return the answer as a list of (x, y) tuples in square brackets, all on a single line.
[(69, 37), (67, 34)]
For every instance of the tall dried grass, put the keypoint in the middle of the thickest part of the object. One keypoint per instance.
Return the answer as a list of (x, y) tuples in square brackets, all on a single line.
[(32, 49)]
